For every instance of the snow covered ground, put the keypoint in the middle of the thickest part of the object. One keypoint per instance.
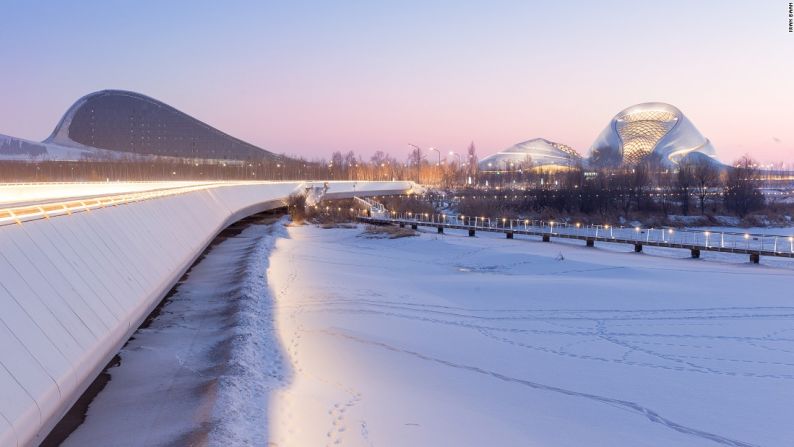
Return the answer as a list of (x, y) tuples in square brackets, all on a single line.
[(301, 336), (200, 372), (450, 340)]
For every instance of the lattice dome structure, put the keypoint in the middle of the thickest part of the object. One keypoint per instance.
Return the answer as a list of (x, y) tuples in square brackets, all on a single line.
[(532, 154), (649, 131)]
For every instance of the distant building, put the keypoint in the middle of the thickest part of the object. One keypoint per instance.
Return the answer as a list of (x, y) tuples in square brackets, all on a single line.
[(132, 123), (652, 131), (537, 153)]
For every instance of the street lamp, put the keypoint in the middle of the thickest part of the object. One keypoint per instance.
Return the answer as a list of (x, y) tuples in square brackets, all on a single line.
[(439, 154)]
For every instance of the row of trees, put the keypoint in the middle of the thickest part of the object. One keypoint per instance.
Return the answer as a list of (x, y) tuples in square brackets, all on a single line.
[(341, 166), (449, 171), (643, 188)]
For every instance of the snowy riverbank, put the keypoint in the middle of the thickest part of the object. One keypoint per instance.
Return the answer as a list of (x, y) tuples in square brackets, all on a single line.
[(449, 340), (201, 371)]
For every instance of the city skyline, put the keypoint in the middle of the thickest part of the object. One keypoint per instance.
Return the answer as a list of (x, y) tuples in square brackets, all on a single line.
[(308, 79)]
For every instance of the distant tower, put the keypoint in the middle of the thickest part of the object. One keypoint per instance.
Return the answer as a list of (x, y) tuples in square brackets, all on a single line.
[(472, 161)]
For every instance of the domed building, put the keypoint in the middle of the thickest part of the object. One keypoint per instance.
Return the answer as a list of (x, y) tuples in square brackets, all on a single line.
[(125, 122), (651, 131), (532, 154)]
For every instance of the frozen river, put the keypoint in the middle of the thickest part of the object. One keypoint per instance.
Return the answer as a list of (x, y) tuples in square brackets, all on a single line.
[(301, 336), (450, 340)]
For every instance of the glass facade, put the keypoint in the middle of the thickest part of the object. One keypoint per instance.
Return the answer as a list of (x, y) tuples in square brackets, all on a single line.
[(130, 122)]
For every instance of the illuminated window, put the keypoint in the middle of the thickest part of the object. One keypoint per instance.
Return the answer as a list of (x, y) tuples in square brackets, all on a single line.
[(641, 131)]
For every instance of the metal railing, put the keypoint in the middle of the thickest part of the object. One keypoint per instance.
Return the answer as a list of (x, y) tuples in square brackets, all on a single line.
[(707, 240), (19, 214)]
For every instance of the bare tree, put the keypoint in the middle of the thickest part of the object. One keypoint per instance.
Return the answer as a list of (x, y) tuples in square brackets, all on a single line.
[(337, 166), (706, 176), (639, 182), (742, 194), (684, 181), (472, 161), (350, 164)]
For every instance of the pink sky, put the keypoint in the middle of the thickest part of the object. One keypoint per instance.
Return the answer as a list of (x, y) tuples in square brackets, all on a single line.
[(310, 78)]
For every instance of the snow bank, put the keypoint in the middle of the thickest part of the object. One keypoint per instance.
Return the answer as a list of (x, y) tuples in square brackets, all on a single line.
[(256, 366), (201, 370)]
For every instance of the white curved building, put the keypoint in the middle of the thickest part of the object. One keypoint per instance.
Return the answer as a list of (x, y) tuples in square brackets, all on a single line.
[(531, 154), (648, 131)]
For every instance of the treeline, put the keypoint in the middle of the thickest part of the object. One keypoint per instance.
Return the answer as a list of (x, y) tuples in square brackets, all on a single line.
[(445, 171), (175, 169), (696, 186), (341, 166)]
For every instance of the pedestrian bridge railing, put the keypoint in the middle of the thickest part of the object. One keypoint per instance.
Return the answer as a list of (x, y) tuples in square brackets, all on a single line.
[(696, 240)]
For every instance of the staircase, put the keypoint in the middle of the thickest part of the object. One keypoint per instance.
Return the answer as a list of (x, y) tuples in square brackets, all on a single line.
[(376, 209)]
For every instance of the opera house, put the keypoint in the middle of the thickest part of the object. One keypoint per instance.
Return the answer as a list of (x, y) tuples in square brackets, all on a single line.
[(651, 131), (532, 154)]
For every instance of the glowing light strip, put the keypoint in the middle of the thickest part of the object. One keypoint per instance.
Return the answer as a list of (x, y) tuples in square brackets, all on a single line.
[(18, 215)]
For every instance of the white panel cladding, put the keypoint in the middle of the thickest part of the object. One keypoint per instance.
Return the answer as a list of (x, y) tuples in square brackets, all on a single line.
[(73, 288), (29, 272), (17, 407), (29, 375), (84, 307), (7, 434), (42, 239)]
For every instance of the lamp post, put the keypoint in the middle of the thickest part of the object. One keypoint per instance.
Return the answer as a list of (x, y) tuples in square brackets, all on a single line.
[(459, 168), (418, 160), (439, 155)]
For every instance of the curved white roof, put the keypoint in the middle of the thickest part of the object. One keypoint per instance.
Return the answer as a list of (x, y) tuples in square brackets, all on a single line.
[(531, 153), (651, 129)]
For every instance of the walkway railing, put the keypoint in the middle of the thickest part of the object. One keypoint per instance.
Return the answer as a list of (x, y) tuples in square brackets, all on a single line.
[(19, 214), (754, 244)]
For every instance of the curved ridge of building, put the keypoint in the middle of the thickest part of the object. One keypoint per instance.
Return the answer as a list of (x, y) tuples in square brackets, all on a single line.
[(133, 123), (530, 154), (648, 131)]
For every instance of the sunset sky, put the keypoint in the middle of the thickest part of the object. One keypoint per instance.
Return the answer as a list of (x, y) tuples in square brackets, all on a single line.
[(308, 78)]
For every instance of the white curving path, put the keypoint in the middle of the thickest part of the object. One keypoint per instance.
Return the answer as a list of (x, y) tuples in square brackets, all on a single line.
[(82, 266)]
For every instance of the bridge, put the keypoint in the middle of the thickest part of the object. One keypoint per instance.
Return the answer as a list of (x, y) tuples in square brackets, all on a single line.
[(753, 244), (82, 266)]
